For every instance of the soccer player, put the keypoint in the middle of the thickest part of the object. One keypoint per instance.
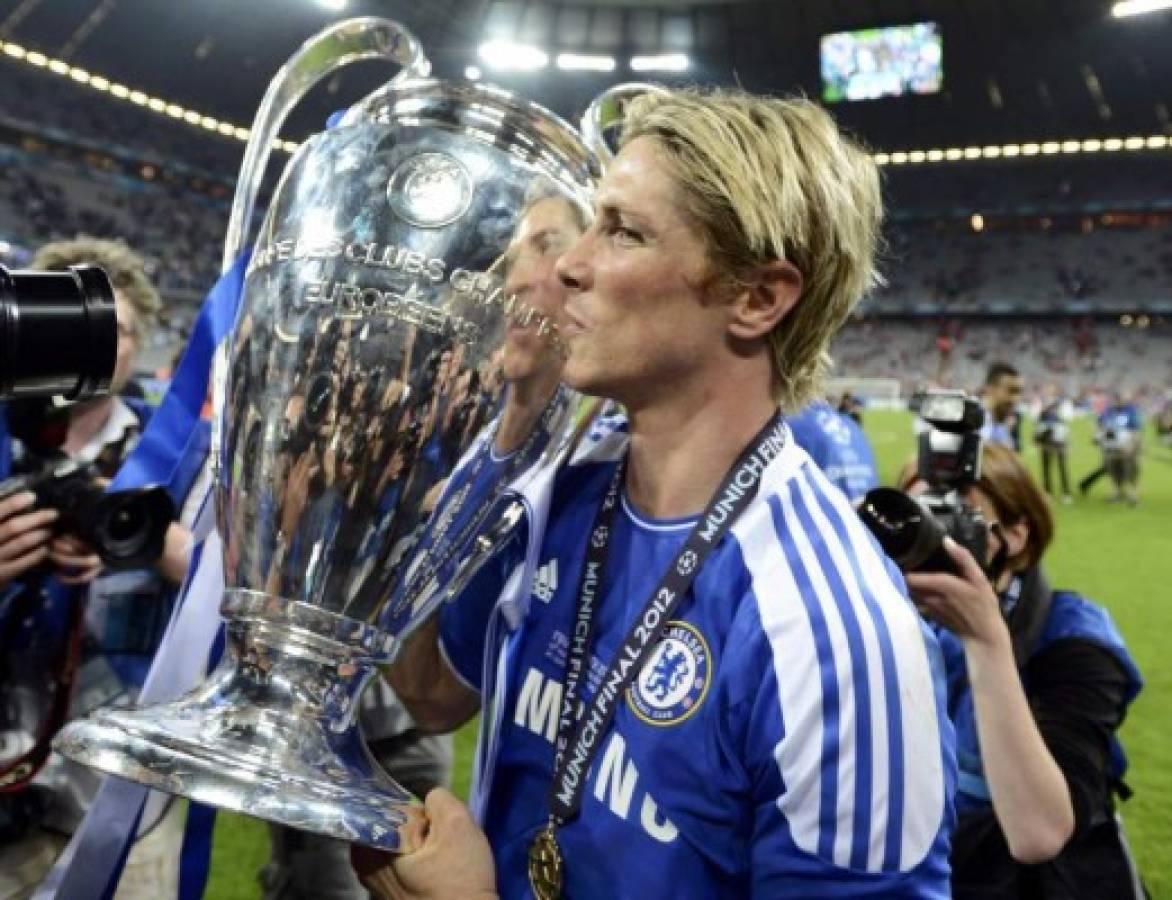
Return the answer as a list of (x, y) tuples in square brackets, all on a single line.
[(1001, 394), (836, 442), (724, 691)]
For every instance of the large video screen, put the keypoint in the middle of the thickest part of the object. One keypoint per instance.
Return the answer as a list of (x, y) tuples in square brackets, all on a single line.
[(882, 62)]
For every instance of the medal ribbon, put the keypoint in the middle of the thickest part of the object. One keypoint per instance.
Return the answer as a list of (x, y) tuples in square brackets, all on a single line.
[(580, 731)]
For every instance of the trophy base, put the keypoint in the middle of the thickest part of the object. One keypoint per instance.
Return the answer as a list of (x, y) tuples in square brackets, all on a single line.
[(271, 734)]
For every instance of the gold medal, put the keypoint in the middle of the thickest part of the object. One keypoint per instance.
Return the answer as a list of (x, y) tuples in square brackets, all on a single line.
[(546, 869)]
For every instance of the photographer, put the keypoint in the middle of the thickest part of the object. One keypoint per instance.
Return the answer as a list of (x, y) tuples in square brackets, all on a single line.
[(1052, 435), (1120, 437), (74, 636), (1039, 682)]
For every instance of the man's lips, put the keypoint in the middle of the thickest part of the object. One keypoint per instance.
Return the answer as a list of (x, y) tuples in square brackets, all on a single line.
[(572, 326)]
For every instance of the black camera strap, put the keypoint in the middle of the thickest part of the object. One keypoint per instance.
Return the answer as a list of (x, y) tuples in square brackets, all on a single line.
[(16, 774), (582, 726)]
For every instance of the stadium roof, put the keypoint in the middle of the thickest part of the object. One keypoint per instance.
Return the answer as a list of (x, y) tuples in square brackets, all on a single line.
[(1015, 70)]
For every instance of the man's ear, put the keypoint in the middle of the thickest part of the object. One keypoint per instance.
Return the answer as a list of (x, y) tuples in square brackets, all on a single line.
[(766, 298)]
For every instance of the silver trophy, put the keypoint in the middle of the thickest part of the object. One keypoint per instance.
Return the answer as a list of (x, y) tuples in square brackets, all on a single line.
[(357, 480)]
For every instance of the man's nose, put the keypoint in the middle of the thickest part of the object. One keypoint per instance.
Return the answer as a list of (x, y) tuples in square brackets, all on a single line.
[(571, 265)]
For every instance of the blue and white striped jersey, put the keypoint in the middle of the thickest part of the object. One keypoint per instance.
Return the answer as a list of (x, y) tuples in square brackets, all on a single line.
[(787, 737)]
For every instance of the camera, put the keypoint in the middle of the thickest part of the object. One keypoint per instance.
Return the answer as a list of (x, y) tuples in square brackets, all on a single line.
[(127, 529), (59, 339), (911, 530), (58, 333)]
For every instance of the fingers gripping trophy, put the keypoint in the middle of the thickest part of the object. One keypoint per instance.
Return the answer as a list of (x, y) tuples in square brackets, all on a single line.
[(356, 483)]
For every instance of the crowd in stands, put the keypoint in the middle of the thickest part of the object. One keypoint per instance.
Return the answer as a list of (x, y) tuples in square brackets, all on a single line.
[(1051, 185), (1101, 268), (178, 233), (1082, 259), (56, 106), (1076, 356)]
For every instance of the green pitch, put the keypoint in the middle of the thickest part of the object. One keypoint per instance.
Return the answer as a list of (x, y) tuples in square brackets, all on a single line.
[(1118, 556)]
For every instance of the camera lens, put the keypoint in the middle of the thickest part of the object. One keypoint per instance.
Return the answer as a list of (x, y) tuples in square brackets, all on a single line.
[(906, 531), (128, 527), (126, 530), (58, 333)]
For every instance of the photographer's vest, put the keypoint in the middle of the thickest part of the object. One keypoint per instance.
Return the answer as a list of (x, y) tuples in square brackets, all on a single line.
[(1068, 617)]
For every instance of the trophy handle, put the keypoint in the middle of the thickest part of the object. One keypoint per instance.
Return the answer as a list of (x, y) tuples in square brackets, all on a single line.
[(606, 112), (324, 53), (339, 45)]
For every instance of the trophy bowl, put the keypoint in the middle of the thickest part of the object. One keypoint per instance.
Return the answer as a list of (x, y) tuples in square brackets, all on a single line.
[(356, 482)]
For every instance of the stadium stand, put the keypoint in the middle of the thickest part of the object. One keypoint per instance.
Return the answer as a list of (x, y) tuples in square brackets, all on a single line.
[(1085, 242)]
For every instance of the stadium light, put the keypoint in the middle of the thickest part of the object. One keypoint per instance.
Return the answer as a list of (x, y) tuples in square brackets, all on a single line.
[(977, 222), (507, 55), (1138, 7), (472, 73), (332, 5), (519, 56), (1029, 149), (119, 91), (578, 62), (664, 62)]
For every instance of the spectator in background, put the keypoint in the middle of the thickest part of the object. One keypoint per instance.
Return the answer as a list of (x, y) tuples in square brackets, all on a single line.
[(1001, 395), (1052, 436), (839, 447)]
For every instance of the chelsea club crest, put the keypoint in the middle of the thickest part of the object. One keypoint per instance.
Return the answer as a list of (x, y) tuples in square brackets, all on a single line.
[(675, 680)]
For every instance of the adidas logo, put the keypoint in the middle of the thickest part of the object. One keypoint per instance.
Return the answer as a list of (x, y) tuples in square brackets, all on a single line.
[(545, 581)]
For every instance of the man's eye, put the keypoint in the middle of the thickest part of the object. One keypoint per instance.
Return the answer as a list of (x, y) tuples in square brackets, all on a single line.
[(628, 235)]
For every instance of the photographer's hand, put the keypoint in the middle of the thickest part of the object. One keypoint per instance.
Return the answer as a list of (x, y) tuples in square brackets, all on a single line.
[(24, 535), (177, 544), (75, 558), (966, 605)]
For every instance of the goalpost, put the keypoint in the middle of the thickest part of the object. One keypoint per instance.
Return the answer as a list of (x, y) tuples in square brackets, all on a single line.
[(883, 393)]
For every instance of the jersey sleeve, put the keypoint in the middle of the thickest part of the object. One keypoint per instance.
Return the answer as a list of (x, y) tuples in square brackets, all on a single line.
[(847, 745)]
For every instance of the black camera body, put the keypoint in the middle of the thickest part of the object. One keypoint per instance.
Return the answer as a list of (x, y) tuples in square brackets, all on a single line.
[(911, 530), (127, 529)]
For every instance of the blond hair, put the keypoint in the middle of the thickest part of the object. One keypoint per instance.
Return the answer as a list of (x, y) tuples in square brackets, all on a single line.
[(770, 179), (125, 268)]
